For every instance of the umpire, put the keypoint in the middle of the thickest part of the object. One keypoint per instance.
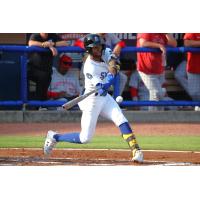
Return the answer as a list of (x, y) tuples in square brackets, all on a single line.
[(39, 66)]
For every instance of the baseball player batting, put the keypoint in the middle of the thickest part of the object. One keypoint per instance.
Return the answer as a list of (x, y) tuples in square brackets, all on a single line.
[(99, 71)]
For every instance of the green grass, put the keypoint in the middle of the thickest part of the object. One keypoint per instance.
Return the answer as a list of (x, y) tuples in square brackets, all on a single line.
[(187, 143)]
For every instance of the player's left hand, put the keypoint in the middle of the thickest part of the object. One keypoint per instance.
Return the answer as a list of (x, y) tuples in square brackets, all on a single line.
[(104, 86), (101, 90)]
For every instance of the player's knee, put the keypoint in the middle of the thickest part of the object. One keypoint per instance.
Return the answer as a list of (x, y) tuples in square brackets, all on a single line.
[(154, 95), (120, 119)]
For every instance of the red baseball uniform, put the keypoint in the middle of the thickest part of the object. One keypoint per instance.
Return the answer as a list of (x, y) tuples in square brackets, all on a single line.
[(151, 62), (193, 59)]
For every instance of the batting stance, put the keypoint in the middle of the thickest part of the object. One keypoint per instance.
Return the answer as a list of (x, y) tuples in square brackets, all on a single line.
[(100, 69)]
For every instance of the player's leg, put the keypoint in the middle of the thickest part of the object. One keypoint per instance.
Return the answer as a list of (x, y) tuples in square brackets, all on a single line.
[(169, 107), (194, 87), (163, 91), (130, 138), (153, 84), (88, 125), (43, 80), (112, 111), (144, 97), (180, 75)]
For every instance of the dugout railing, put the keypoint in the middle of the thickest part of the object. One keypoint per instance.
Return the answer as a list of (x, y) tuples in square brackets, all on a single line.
[(23, 101)]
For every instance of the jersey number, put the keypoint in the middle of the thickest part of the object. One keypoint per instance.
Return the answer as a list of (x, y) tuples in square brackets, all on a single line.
[(103, 75)]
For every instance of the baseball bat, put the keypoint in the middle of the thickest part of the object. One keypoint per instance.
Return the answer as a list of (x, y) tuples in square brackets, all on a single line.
[(76, 100)]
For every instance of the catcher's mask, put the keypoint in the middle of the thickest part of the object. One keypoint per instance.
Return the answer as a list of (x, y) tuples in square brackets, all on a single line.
[(92, 40)]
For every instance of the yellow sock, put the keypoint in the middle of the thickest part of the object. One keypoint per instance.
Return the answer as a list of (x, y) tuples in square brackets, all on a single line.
[(132, 142)]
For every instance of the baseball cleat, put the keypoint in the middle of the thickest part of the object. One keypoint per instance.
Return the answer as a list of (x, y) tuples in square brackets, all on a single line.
[(137, 156), (49, 143)]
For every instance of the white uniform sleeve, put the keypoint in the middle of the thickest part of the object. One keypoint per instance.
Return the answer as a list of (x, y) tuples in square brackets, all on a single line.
[(106, 55)]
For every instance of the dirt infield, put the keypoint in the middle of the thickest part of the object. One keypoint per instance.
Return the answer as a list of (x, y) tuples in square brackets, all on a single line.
[(35, 157)]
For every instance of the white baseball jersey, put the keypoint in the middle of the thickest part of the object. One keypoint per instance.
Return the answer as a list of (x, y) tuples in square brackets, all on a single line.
[(95, 105), (96, 72), (68, 83), (110, 40)]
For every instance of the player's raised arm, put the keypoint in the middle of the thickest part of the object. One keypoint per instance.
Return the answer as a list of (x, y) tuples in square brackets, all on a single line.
[(113, 65)]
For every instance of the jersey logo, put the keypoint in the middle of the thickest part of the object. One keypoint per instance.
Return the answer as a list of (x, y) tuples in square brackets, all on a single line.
[(89, 76), (103, 75)]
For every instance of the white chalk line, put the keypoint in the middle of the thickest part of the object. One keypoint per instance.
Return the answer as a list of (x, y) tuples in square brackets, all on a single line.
[(70, 162), (72, 149)]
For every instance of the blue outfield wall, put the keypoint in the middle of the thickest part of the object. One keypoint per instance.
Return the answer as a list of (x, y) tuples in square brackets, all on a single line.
[(13, 78)]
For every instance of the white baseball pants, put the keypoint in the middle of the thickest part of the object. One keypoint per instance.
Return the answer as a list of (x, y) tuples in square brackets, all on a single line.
[(154, 83), (92, 107)]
